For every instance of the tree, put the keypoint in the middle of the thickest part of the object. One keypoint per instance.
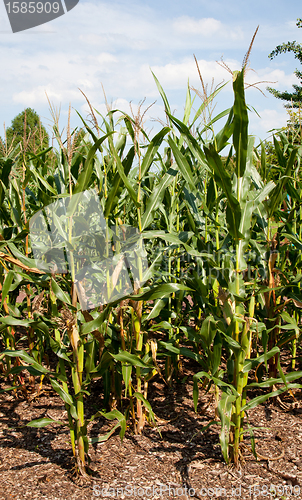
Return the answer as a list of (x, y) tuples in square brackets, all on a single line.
[(294, 98), (27, 131)]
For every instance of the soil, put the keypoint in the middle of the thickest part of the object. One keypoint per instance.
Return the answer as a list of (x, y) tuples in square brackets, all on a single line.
[(179, 462)]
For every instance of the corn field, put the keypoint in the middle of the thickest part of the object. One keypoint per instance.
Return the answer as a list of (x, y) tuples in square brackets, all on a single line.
[(194, 245)]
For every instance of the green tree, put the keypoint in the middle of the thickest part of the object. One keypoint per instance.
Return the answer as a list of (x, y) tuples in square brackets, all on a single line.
[(293, 98), (27, 132)]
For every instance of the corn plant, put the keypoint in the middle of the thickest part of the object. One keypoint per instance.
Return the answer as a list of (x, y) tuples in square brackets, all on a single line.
[(243, 195), (222, 279)]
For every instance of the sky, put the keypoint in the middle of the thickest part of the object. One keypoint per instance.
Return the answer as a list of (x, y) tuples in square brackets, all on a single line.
[(117, 45)]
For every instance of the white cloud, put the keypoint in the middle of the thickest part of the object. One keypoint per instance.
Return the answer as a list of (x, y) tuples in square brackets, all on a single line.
[(106, 58), (37, 95), (116, 44), (203, 27), (275, 78), (269, 119)]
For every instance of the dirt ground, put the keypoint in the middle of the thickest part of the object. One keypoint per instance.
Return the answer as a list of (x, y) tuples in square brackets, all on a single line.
[(179, 462)]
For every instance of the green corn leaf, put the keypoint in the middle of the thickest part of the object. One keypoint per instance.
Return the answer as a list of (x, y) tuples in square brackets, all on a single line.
[(159, 292), (192, 143), (122, 174), (208, 330), (281, 373), (156, 198), (175, 239), (94, 137), (126, 372), (33, 156), (146, 403), (263, 161), (27, 358), (152, 150), (58, 350), (232, 344), (281, 157), (274, 381), (42, 422), (293, 239), (121, 140), (35, 172), (59, 293), (40, 325), (170, 347), (150, 271), (132, 359), (65, 396), (117, 181), (228, 388), (163, 95), (217, 351), (251, 364), (264, 397), (112, 415), (265, 191), (184, 351), (128, 122), (291, 323), (95, 324), (15, 203), (18, 369), (221, 139), (58, 222), (195, 393), (206, 103), (105, 437), (233, 212), (163, 324), (156, 309), (6, 170), (103, 366), (188, 105), (278, 192), (12, 388), (240, 134), (224, 409), (11, 321), (183, 165), (85, 176), (31, 263)]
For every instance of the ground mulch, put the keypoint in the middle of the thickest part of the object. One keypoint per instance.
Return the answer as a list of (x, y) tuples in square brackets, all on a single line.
[(174, 460)]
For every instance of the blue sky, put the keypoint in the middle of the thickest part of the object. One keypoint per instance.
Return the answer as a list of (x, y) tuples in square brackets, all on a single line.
[(116, 43)]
